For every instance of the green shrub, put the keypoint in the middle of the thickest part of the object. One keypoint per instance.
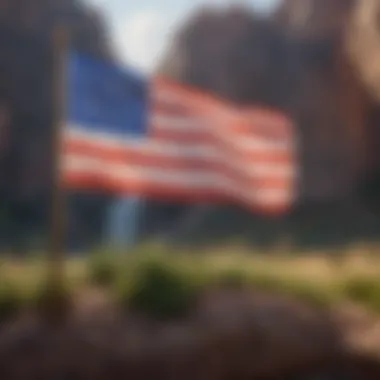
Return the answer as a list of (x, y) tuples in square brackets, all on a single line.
[(305, 291), (10, 301), (359, 289), (102, 269), (313, 294), (158, 291), (363, 290)]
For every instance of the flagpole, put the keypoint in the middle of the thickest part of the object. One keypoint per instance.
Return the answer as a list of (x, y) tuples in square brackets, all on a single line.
[(56, 247)]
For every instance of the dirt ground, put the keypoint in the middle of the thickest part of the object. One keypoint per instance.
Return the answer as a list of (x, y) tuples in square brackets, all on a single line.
[(230, 335)]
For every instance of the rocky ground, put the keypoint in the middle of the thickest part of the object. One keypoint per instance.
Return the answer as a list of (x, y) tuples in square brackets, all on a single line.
[(229, 335)]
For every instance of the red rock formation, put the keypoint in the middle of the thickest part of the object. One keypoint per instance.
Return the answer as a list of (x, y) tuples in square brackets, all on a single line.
[(294, 61)]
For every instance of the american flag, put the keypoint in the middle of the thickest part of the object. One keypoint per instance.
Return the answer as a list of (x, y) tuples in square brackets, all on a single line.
[(177, 143)]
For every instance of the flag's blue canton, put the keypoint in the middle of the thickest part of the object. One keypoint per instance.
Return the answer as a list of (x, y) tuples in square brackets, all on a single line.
[(102, 97)]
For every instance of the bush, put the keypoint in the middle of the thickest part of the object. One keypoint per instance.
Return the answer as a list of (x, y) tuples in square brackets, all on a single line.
[(316, 295), (359, 289), (363, 290), (102, 269), (10, 301), (159, 291), (313, 294)]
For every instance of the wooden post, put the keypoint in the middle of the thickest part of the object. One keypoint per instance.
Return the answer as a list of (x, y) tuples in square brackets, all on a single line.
[(56, 248)]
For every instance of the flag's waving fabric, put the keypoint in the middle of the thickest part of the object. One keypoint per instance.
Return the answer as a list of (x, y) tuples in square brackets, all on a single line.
[(162, 140)]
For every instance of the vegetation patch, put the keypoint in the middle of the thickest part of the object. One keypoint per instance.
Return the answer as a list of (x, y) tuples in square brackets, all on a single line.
[(103, 269), (363, 290), (159, 291), (11, 301), (163, 285)]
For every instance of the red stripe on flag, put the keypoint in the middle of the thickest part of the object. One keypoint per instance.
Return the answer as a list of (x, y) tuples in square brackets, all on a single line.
[(194, 136), (172, 193), (126, 156)]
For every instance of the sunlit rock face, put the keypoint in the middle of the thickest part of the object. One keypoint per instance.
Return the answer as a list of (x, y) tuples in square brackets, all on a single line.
[(363, 43), (314, 19), (353, 27)]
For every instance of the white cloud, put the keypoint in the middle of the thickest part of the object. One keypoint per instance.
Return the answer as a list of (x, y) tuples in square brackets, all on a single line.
[(143, 37)]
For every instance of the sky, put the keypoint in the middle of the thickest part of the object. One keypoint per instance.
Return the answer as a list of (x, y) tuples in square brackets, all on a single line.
[(141, 29)]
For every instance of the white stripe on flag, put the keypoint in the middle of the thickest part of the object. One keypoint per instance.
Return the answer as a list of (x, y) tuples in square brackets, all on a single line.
[(191, 180)]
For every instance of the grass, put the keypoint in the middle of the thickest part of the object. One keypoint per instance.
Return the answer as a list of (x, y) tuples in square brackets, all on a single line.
[(232, 279), (363, 290), (145, 281), (158, 290), (102, 269), (11, 301)]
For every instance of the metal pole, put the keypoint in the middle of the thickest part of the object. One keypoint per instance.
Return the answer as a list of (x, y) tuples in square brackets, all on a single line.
[(56, 249)]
